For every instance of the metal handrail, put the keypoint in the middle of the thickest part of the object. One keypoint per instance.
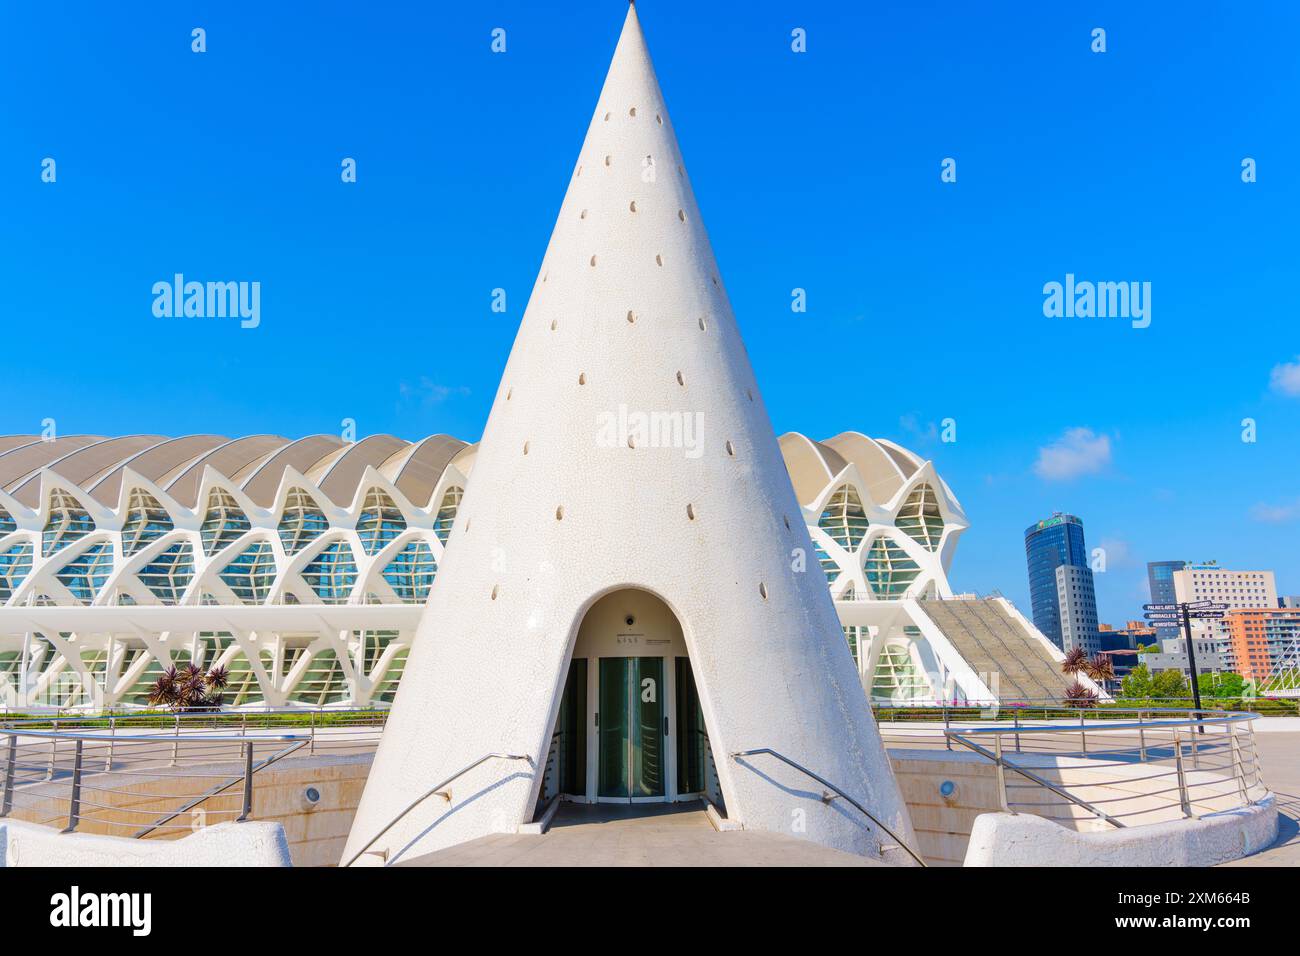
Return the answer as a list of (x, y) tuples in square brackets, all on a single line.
[(1002, 764), (430, 792), (79, 771), (1229, 718), (826, 783), (249, 769)]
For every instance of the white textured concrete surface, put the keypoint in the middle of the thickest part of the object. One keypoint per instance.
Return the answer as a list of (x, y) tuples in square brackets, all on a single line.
[(1004, 839), (227, 844), (628, 312), (678, 835)]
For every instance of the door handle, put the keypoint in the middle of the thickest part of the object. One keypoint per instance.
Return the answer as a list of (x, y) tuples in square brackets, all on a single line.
[(665, 726)]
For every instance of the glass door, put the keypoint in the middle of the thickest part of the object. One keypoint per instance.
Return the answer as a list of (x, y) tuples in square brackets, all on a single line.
[(692, 738), (631, 729)]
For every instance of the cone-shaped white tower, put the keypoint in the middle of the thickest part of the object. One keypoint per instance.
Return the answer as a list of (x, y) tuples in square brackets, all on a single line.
[(628, 457)]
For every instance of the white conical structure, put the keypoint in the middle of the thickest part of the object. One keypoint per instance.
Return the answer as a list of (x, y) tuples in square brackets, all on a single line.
[(628, 316)]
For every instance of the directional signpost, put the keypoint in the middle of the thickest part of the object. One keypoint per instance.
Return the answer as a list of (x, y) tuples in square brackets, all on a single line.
[(1173, 615)]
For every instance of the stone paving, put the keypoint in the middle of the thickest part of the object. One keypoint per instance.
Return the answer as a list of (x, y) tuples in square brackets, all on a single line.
[(1279, 755), (641, 835)]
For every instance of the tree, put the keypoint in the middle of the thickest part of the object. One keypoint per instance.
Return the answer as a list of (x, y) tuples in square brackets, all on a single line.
[(1137, 684), (1222, 685), (189, 688), (1075, 661), (1170, 685)]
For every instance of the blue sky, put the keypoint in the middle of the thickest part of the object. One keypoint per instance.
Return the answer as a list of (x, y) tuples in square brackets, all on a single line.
[(818, 170)]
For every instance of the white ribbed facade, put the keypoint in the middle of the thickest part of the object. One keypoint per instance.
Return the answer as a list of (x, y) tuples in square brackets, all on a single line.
[(300, 566), (313, 603)]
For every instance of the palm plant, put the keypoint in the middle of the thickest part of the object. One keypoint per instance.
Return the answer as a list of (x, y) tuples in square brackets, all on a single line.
[(1100, 669), (190, 688), (1076, 695), (1075, 661)]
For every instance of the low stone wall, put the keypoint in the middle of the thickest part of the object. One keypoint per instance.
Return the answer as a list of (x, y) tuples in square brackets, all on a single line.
[(315, 831), (943, 826), (1005, 839), (227, 844), (946, 826)]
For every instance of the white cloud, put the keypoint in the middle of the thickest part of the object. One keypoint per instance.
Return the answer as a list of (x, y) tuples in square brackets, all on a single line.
[(1276, 514), (1285, 378), (1118, 553), (426, 393), (924, 432), (1077, 452)]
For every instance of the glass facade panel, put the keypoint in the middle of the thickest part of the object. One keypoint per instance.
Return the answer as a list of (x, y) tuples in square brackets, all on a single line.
[(410, 574), (169, 573), (844, 518), (919, 518), (85, 574), (251, 573), (447, 512), (146, 521), (380, 522), (224, 522), (301, 522), (68, 522), (332, 573), (15, 563), (888, 569)]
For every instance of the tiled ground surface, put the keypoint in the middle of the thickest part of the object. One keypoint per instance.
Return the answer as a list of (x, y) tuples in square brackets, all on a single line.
[(1279, 755), (643, 835)]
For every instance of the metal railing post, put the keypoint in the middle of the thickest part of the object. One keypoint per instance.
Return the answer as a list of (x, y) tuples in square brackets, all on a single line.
[(312, 749), (248, 783), (1142, 738), (176, 747), (1239, 769), (1196, 759), (74, 804), (112, 739), (1083, 732), (1015, 715), (946, 725), (1002, 774), (7, 801), (1183, 800), (54, 749)]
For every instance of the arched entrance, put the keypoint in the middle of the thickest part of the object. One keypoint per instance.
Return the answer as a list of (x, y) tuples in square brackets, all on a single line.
[(630, 728)]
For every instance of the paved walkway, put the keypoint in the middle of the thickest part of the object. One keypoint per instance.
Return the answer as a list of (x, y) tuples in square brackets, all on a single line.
[(1279, 756), (642, 835)]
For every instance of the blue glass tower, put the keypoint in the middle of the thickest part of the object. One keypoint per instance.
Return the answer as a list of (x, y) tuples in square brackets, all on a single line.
[(1050, 544), (1160, 579)]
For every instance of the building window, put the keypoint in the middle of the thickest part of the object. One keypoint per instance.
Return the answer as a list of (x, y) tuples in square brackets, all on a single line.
[(380, 521), (146, 521), (251, 573), (224, 522), (919, 518), (844, 519), (411, 573), (301, 522), (15, 563), (68, 522), (447, 512), (169, 573), (332, 573), (85, 574)]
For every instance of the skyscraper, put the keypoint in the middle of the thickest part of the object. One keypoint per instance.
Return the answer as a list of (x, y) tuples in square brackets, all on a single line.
[(1050, 544), (1160, 582)]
